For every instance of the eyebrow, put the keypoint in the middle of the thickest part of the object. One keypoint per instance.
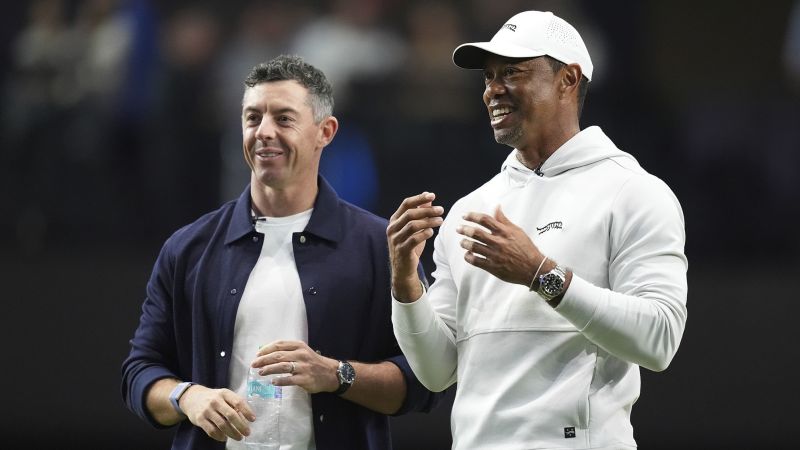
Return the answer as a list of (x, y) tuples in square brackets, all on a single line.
[(283, 110)]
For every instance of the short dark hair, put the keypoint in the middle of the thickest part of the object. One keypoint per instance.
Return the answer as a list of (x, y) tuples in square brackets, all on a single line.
[(557, 65), (290, 67)]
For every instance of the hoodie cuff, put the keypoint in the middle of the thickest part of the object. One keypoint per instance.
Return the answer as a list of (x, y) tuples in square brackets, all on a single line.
[(413, 318), (581, 302)]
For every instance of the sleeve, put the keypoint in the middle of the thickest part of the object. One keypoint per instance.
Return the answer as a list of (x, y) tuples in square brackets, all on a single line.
[(418, 397), (153, 355), (425, 329), (642, 316)]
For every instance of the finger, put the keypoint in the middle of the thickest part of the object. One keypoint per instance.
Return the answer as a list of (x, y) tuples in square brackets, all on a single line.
[(477, 261), (235, 426), (277, 346), (290, 380), (477, 234), (430, 214), (413, 202), (266, 359), (399, 231), (236, 423), (275, 369), (277, 357), (422, 212), (239, 404), (483, 220), (500, 216), (231, 431), (415, 227), (221, 423), (475, 247), (213, 431), (228, 419), (415, 239)]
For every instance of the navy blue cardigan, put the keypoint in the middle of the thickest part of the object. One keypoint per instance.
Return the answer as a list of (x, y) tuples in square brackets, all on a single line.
[(187, 322)]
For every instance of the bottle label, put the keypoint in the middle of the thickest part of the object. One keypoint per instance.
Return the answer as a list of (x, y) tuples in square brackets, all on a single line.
[(257, 388)]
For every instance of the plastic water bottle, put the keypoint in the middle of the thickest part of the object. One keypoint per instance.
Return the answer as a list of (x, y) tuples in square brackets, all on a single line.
[(264, 399)]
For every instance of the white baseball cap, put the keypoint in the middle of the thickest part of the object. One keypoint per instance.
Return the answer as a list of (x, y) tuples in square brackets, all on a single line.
[(527, 35)]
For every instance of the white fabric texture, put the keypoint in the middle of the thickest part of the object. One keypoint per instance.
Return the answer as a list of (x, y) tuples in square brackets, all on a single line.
[(272, 308), (530, 376)]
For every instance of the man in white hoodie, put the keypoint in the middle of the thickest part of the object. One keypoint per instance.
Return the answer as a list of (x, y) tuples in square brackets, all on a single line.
[(558, 278)]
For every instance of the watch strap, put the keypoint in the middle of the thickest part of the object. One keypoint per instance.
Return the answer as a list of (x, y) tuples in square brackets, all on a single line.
[(176, 394)]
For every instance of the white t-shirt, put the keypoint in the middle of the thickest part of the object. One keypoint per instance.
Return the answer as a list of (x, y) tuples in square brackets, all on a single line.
[(272, 308)]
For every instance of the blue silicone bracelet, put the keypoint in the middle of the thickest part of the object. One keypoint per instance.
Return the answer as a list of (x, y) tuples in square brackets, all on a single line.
[(176, 393)]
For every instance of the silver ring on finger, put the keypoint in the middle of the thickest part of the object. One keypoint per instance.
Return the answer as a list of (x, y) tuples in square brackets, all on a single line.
[(294, 366)]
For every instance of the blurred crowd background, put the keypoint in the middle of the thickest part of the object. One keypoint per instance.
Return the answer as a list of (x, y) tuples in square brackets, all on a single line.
[(120, 122)]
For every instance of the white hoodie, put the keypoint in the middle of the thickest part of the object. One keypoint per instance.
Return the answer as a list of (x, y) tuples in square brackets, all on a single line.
[(530, 376)]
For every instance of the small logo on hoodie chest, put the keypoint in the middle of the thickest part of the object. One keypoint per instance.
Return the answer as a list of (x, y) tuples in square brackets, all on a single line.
[(550, 226)]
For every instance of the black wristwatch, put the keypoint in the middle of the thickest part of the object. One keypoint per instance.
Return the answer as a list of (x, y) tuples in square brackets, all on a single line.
[(347, 375), (551, 284)]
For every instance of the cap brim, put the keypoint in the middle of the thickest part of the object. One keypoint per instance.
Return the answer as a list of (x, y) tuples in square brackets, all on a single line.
[(472, 55)]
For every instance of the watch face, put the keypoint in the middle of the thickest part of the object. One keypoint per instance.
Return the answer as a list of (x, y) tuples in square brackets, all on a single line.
[(346, 373), (552, 284)]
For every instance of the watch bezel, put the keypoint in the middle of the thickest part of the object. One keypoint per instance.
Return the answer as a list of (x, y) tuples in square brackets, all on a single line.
[(551, 284)]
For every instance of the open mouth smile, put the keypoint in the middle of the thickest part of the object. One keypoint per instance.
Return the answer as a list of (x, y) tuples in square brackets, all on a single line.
[(268, 153), (499, 113)]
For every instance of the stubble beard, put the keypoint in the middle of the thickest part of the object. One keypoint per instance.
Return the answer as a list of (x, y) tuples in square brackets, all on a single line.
[(509, 137)]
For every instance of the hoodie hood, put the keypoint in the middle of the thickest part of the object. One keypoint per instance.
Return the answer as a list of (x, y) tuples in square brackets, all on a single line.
[(587, 147)]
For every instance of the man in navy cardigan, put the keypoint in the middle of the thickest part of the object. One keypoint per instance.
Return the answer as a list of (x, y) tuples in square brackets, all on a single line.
[(225, 298)]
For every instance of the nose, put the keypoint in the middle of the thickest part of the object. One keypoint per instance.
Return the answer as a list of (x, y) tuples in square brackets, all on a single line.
[(266, 129), (494, 88)]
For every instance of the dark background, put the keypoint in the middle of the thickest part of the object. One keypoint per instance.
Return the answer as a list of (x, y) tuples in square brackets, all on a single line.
[(120, 123)]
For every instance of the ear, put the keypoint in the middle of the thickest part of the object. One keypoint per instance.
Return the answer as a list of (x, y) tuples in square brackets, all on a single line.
[(571, 79), (327, 130)]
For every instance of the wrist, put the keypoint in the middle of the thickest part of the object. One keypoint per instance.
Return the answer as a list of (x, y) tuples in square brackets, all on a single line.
[(543, 267), (332, 383), (177, 394), (407, 290)]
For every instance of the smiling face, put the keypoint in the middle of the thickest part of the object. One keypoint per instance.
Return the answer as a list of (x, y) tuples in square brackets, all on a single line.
[(522, 98), (282, 144)]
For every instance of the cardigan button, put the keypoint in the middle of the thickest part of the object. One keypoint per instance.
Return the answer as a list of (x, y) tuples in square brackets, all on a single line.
[(255, 238), (312, 290), (321, 418), (234, 291), (222, 354), (302, 239)]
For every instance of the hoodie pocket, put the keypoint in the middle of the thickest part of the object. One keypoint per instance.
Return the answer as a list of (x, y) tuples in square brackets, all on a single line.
[(509, 309)]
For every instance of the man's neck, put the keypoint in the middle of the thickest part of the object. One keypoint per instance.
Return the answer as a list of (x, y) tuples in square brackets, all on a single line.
[(533, 156), (281, 202)]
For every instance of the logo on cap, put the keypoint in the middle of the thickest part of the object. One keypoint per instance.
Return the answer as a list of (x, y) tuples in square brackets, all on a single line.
[(510, 26)]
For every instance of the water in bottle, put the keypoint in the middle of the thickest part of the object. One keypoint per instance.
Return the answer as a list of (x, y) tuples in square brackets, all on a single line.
[(264, 399)]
